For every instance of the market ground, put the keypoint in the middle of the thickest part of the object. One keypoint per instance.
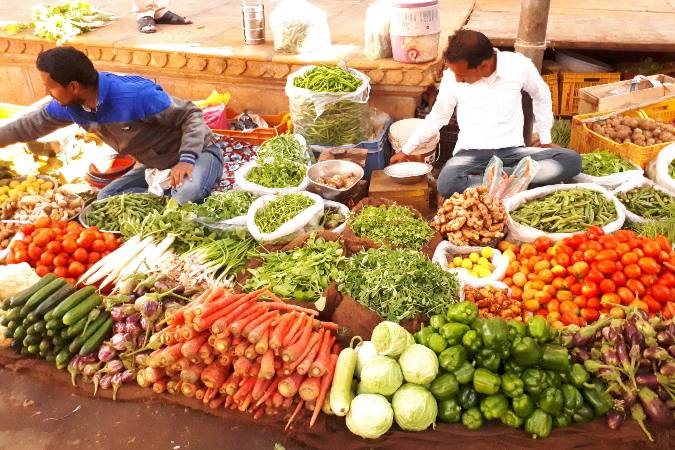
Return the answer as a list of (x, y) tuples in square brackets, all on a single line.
[(38, 416)]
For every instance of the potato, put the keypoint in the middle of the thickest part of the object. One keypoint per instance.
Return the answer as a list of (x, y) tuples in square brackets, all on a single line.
[(651, 141)]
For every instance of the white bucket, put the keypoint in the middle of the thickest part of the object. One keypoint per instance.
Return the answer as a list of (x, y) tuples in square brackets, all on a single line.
[(400, 131), (415, 30)]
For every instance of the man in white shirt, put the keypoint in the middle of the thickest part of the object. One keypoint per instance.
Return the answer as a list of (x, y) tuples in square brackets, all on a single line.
[(485, 86)]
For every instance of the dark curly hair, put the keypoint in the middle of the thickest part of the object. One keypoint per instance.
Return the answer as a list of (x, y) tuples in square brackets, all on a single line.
[(470, 46)]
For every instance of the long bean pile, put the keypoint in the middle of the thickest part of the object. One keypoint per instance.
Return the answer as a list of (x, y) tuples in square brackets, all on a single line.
[(398, 284), (328, 79), (277, 173), (221, 206), (600, 164), (566, 211), (109, 214), (302, 273), (284, 146), (395, 224), (281, 210), (647, 202)]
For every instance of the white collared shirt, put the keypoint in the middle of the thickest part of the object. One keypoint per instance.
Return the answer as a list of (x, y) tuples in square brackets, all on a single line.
[(489, 111)]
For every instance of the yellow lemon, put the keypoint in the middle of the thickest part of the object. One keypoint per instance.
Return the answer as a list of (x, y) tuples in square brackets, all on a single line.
[(13, 183), (4, 189), (48, 185), (482, 261), (474, 257), (467, 264), (31, 178), (3, 198), (457, 261), (40, 181), (487, 252), (483, 272)]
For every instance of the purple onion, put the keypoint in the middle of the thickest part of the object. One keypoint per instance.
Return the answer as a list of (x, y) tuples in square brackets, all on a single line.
[(120, 341), (117, 314), (114, 366), (128, 375), (106, 353), (132, 329), (106, 381), (119, 327), (134, 318)]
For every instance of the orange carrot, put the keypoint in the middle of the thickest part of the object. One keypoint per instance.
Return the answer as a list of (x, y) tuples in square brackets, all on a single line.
[(245, 389), (267, 317), (326, 381), (295, 413), (153, 374), (232, 385), (221, 346), (287, 403), (216, 402), (277, 336), (250, 352), (220, 327), (241, 366), (329, 326), (159, 386), (179, 365), (245, 403), (277, 398), (240, 349), (263, 344), (269, 392), (305, 363), (258, 413), (225, 359), (291, 307), (199, 393), (208, 308), (267, 365), (209, 394), (289, 386), (291, 366), (209, 360), (191, 374), (260, 387), (170, 355), (309, 389), (256, 334), (187, 332), (213, 376), (205, 351), (229, 400), (248, 316), (254, 370), (215, 294), (293, 352), (188, 389), (294, 329), (322, 361), (212, 340), (204, 322), (190, 349)]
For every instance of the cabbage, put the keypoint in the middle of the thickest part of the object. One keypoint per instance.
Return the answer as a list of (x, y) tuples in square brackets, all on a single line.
[(369, 416), (419, 364), (414, 407), (390, 339), (382, 375), (364, 353)]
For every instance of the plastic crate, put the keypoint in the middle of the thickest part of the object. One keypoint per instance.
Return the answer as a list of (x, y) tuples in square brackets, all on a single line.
[(663, 111), (552, 80), (585, 140), (279, 124), (572, 82)]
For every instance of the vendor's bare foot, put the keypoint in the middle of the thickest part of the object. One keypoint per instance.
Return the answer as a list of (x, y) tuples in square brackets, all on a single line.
[(170, 18)]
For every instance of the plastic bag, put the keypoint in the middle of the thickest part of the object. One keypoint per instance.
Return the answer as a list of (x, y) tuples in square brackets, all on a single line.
[(216, 117), (304, 222), (158, 181), (342, 209), (499, 262), (377, 43), (526, 233), (613, 180), (658, 169), (242, 183), (500, 185), (330, 118), (633, 184), (298, 27)]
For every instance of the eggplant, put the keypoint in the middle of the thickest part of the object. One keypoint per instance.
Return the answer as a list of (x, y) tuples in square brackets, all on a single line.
[(134, 318), (664, 338), (668, 369), (150, 309), (128, 375), (656, 410), (645, 328), (655, 354), (629, 398), (624, 358), (119, 327), (629, 329), (141, 290), (609, 356), (615, 419), (114, 366), (90, 369), (96, 381), (121, 341), (663, 394), (73, 369), (580, 355), (141, 359), (106, 381), (145, 323), (671, 350), (117, 314), (128, 309), (140, 341), (647, 381), (132, 329), (637, 339), (127, 288)]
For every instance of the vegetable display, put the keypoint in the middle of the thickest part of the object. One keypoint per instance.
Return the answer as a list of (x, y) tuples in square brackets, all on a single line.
[(328, 79), (494, 302), (221, 206), (12, 190), (57, 204), (277, 173), (600, 164), (395, 224), (566, 211), (109, 214), (281, 210), (478, 264), (225, 257), (632, 130), (286, 147), (398, 284), (471, 218), (648, 202)]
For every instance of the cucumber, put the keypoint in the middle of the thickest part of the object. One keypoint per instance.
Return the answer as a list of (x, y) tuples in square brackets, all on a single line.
[(72, 300), (54, 324), (6, 303), (55, 299), (31, 339), (48, 316), (39, 327), (20, 333), (50, 333), (22, 297), (41, 295), (12, 324), (77, 329), (79, 341), (4, 321), (64, 333), (58, 341), (339, 398), (81, 310), (31, 318), (45, 345), (13, 313), (50, 357), (34, 328), (33, 349), (95, 339), (8, 334), (62, 358)]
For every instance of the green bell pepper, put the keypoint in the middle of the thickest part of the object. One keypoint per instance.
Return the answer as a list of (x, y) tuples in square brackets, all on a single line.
[(534, 381), (551, 401), (562, 420), (597, 398), (472, 341), (504, 352), (494, 406), (572, 396), (486, 382), (539, 423), (583, 414), (553, 378), (577, 375), (452, 358), (472, 419), (525, 351), (422, 336), (464, 312), (467, 397), (494, 332), (488, 359), (512, 385), (555, 358), (510, 419), (512, 367), (449, 411), (522, 406), (453, 332), (437, 343), (464, 374), (516, 329), (444, 387), (538, 329), (437, 321)]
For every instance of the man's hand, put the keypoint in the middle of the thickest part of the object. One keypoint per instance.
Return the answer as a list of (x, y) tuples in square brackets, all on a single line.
[(402, 157), (179, 172)]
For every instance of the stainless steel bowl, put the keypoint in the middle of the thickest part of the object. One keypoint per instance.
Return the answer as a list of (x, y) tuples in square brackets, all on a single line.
[(408, 172), (331, 168)]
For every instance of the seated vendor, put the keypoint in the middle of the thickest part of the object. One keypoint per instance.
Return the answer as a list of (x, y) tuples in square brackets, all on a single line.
[(485, 86), (131, 114)]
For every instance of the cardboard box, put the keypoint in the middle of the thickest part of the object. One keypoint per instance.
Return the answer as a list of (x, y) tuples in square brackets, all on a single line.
[(605, 97)]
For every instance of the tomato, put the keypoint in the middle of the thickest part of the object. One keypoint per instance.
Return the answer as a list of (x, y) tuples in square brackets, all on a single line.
[(61, 260), (648, 279), (591, 315), (563, 259), (94, 257), (607, 286), (579, 269), (61, 272), (629, 258), (576, 240), (111, 245), (622, 248), (20, 256), (542, 243), (594, 232), (81, 255), (589, 289), (609, 255), (576, 289), (47, 258), (568, 308), (34, 252), (43, 222), (580, 301), (632, 271), (636, 287), (69, 245), (649, 265), (667, 279), (593, 303), (664, 243), (85, 241), (607, 267), (27, 229), (660, 293), (594, 275), (608, 299), (76, 268), (651, 247), (652, 305), (619, 278), (54, 247), (570, 319), (626, 295), (98, 245), (28, 240), (41, 239), (41, 270)]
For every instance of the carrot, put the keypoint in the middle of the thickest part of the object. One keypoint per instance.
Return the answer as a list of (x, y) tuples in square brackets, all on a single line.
[(245, 389), (250, 352), (326, 381), (203, 322), (289, 386), (267, 365), (295, 327), (260, 387), (267, 317), (213, 376), (272, 296), (241, 366), (245, 403), (159, 386), (254, 370), (212, 340), (199, 393), (287, 403), (313, 341), (329, 326), (257, 333), (216, 402), (179, 365), (215, 294), (306, 361), (309, 389), (220, 346), (240, 349), (249, 315), (220, 326), (277, 399), (295, 413), (209, 394), (263, 344), (153, 374), (205, 351), (188, 389), (232, 385), (258, 413), (170, 355), (310, 406), (269, 392), (291, 353), (292, 307), (225, 359), (187, 332), (322, 361), (172, 386), (191, 374), (229, 400), (277, 336), (205, 309)]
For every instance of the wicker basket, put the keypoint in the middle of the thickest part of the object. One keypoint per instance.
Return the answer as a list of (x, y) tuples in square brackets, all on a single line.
[(572, 82), (552, 80)]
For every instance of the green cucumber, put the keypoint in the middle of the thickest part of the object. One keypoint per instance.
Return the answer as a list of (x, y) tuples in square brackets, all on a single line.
[(45, 345), (41, 295), (63, 358), (54, 324), (64, 333), (33, 349), (12, 324), (36, 328), (31, 317), (31, 339), (72, 300), (20, 333), (79, 341), (77, 329), (95, 339), (8, 334), (4, 321), (22, 297), (6, 303), (58, 341), (55, 299), (81, 310), (50, 333), (13, 313), (50, 357)]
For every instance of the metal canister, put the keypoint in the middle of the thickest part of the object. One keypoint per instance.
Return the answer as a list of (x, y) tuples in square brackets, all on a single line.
[(253, 17)]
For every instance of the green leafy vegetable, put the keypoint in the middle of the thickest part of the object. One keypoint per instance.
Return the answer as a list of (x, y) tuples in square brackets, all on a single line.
[(603, 163), (396, 224), (281, 210), (285, 147), (224, 257), (277, 173), (664, 227), (671, 169), (221, 206)]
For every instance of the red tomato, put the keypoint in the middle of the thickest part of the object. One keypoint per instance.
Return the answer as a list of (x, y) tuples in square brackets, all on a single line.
[(54, 247), (591, 315), (85, 241), (608, 299), (580, 301), (542, 243), (619, 278), (20, 256), (649, 265), (43, 222), (607, 286), (636, 287), (595, 245), (570, 319), (93, 257), (626, 295), (593, 303), (664, 243), (47, 258), (594, 232), (61, 260), (651, 247), (568, 307), (622, 248), (61, 272), (81, 255), (667, 279), (660, 293), (610, 255), (563, 259), (98, 246), (27, 229), (69, 245), (652, 305), (76, 268), (41, 239), (648, 279), (629, 258), (41, 270), (594, 275), (575, 289), (607, 267), (111, 245), (34, 252), (589, 255), (589, 289), (632, 271)]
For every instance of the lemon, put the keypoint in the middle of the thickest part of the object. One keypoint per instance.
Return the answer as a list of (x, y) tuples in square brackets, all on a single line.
[(484, 262), (48, 185), (3, 198), (483, 272), (4, 189), (31, 178), (13, 183), (457, 261), (467, 264), (473, 256), (487, 252), (40, 181)]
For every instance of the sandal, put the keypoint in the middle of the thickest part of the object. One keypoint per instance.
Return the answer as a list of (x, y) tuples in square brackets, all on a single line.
[(170, 18), (146, 24)]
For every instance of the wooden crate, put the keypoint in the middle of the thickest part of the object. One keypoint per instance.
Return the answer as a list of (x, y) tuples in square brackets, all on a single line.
[(572, 82), (413, 195), (599, 98), (552, 80)]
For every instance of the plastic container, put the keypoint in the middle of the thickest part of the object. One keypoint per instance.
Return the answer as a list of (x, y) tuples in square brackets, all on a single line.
[(115, 167), (415, 30), (663, 111), (551, 79), (578, 63), (401, 131), (572, 82), (279, 124)]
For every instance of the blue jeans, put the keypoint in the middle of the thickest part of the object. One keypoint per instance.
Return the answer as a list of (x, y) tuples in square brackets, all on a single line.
[(465, 169), (206, 174)]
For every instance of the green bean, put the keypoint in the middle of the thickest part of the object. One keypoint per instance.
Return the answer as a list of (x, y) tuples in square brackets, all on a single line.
[(281, 210), (600, 164), (671, 169), (110, 213), (647, 202)]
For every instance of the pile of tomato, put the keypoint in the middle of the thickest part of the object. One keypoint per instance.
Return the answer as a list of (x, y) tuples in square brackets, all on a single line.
[(64, 248), (575, 280)]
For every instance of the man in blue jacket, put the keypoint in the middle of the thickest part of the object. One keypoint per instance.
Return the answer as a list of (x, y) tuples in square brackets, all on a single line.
[(131, 114)]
